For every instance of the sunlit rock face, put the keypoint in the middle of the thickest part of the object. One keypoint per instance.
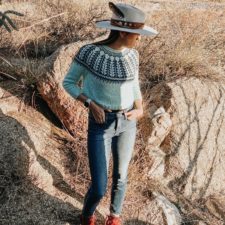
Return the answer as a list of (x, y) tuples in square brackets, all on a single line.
[(186, 139)]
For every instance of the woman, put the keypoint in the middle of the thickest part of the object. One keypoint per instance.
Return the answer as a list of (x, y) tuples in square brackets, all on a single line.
[(111, 91)]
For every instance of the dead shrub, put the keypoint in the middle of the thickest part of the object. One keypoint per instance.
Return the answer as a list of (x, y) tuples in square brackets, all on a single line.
[(186, 46), (49, 24)]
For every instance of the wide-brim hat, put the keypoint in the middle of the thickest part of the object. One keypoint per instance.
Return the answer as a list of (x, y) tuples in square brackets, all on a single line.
[(127, 18)]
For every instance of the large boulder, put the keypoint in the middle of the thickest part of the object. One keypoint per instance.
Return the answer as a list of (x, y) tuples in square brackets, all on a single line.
[(71, 112), (34, 186), (186, 143)]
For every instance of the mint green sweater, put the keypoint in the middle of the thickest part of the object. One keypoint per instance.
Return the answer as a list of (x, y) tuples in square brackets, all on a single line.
[(107, 76)]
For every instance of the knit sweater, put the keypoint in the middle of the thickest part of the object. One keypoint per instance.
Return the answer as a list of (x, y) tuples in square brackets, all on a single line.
[(107, 76)]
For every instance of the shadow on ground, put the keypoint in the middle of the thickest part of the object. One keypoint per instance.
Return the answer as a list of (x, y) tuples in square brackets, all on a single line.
[(21, 201)]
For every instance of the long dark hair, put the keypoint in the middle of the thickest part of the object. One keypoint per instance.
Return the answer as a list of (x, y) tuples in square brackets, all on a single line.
[(113, 36)]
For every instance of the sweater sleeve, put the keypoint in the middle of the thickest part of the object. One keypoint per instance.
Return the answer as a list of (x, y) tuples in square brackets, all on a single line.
[(136, 84), (73, 76)]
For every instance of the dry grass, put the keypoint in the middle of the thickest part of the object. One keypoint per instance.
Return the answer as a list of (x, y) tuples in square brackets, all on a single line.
[(185, 46), (50, 24), (46, 26)]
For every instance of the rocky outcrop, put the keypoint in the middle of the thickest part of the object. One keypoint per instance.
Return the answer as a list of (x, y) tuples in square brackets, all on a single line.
[(34, 184), (71, 112), (186, 143)]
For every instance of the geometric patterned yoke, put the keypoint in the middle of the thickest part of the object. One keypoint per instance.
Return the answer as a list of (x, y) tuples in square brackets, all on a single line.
[(107, 65)]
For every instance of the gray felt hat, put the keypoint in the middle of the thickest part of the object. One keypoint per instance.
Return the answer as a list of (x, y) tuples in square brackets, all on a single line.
[(126, 18)]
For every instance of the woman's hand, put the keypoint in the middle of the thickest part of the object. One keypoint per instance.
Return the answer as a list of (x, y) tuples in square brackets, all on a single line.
[(134, 114), (98, 112)]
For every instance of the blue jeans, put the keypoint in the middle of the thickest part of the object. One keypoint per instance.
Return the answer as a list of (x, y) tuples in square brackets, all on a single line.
[(116, 135)]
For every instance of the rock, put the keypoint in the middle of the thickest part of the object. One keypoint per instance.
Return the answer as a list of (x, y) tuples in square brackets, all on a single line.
[(71, 112), (160, 127), (31, 163), (158, 165), (170, 211), (191, 150), (216, 205)]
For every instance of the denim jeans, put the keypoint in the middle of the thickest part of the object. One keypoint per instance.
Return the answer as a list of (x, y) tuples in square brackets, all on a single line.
[(116, 135)]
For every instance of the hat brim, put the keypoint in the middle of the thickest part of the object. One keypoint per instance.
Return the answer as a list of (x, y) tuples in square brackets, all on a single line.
[(146, 30)]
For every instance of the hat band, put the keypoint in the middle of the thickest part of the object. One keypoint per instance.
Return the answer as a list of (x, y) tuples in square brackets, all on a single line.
[(131, 25)]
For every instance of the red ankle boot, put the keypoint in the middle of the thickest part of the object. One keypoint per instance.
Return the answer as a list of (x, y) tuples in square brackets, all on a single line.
[(112, 220), (87, 220)]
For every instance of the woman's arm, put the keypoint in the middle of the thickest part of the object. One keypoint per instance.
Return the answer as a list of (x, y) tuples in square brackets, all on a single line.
[(70, 84), (137, 112), (70, 81)]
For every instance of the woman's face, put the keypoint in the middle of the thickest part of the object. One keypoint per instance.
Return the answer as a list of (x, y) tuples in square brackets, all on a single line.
[(130, 40)]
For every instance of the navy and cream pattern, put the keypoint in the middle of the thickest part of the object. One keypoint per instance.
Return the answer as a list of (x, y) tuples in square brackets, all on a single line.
[(107, 76), (107, 65)]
